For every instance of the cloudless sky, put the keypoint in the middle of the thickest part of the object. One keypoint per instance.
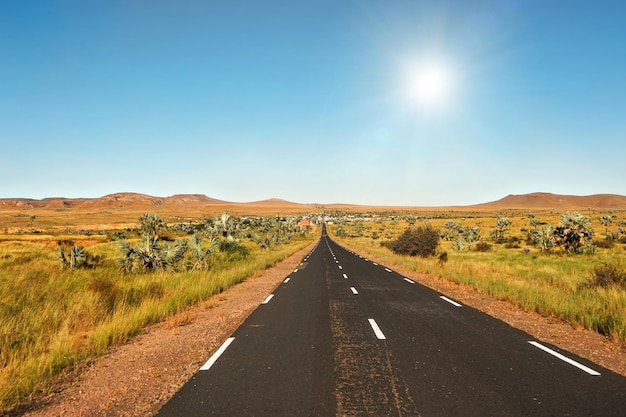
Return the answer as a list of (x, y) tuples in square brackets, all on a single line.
[(310, 101)]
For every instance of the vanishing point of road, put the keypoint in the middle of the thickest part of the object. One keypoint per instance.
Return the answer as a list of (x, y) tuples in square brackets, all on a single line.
[(344, 336)]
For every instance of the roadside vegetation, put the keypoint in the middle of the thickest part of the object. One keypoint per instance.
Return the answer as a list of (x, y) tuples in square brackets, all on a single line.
[(67, 298), (570, 266)]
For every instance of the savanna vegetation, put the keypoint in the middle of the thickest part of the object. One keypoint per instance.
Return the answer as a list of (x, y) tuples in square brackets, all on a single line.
[(571, 266), (67, 297)]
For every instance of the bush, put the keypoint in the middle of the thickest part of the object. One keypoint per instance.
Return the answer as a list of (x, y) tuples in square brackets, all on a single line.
[(422, 241), (232, 247), (605, 244), (482, 247), (443, 258), (606, 276)]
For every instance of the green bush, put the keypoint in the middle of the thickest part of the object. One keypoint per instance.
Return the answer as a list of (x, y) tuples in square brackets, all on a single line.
[(422, 241)]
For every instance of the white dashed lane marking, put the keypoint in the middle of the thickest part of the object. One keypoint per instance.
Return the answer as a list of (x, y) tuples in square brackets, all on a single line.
[(454, 303), (379, 334), (217, 354), (564, 358)]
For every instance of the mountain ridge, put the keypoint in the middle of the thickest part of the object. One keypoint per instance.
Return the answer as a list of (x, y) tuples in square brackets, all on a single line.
[(534, 200)]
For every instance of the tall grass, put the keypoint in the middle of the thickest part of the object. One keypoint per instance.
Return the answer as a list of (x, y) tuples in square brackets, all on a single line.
[(551, 284), (53, 319)]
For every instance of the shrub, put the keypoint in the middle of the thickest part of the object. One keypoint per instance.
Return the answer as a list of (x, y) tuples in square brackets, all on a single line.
[(482, 247), (605, 244), (443, 258), (422, 241), (606, 276), (232, 247)]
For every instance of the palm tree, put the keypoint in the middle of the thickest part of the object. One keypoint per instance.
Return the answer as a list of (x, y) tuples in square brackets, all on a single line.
[(148, 255), (574, 232), (151, 223), (76, 258), (606, 221), (199, 255)]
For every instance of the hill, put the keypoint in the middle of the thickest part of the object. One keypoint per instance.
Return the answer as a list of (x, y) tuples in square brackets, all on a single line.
[(557, 201), (201, 205)]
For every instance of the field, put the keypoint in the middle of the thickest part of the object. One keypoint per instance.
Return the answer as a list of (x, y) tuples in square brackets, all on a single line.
[(555, 284), (54, 318)]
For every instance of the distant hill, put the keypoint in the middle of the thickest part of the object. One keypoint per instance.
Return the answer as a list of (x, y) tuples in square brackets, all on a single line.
[(131, 201), (144, 202), (549, 201)]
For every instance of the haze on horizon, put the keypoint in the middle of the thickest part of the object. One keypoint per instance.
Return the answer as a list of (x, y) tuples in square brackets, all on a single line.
[(419, 103)]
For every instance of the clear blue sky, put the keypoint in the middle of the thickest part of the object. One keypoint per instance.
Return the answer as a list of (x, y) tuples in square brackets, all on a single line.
[(309, 100)]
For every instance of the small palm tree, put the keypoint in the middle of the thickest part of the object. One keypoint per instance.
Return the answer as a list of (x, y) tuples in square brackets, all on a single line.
[(76, 258), (606, 221), (198, 254)]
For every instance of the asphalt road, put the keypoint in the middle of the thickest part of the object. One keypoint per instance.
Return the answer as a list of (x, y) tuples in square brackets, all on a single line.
[(344, 336)]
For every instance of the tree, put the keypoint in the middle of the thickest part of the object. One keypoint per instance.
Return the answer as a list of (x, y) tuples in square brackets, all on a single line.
[(149, 255), (606, 221), (151, 224), (422, 241), (199, 255), (74, 259), (502, 226), (542, 237), (450, 230), (574, 233)]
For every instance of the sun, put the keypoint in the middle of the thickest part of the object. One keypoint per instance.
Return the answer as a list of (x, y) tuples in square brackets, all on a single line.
[(431, 84)]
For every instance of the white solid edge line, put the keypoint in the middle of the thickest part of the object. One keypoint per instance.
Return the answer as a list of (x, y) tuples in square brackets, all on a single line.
[(345, 276), (387, 269), (354, 291), (379, 334), (217, 354), (454, 303), (564, 358), (267, 300), (409, 281), (286, 280)]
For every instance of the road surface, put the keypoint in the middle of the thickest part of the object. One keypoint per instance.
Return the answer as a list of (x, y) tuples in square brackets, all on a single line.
[(345, 336)]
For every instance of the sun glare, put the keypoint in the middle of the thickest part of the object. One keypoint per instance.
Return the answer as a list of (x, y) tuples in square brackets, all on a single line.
[(430, 85)]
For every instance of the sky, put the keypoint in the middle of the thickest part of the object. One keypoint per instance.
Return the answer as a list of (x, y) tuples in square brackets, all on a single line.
[(420, 103)]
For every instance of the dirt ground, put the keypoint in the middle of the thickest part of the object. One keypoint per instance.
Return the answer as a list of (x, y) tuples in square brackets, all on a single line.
[(136, 379)]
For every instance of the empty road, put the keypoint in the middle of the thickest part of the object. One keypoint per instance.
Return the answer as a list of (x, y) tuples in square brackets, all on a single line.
[(345, 336)]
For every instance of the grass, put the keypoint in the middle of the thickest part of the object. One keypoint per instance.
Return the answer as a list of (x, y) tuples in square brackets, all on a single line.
[(52, 319), (552, 284)]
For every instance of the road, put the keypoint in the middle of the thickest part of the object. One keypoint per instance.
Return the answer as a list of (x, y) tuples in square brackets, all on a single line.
[(345, 336)]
